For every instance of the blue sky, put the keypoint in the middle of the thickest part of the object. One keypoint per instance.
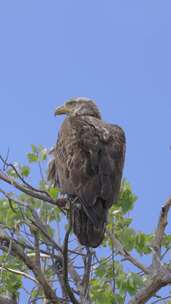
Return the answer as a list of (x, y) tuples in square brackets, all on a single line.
[(117, 52)]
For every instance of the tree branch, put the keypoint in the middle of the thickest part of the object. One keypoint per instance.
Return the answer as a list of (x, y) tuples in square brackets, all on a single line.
[(36, 194), (86, 277), (19, 252), (65, 265), (156, 282), (6, 164), (120, 249), (159, 234), (4, 300), (23, 274), (160, 275), (37, 249)]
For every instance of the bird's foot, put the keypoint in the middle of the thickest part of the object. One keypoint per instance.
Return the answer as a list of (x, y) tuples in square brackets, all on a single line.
[(62, 200), (74, 201), (63, 195), (67, 200)]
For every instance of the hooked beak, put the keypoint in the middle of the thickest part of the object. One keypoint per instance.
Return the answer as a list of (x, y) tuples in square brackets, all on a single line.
[(62, 110)]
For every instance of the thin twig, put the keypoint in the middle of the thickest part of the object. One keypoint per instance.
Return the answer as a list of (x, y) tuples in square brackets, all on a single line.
[(161, 299), (33, 193), (24, 274), (37, 249), (87, 273), (19, 252), (113, 259), (127, 256), (43, 229), (4, 161)]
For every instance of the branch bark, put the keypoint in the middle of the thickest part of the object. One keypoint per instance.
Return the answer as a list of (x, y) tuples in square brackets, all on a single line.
[(21, 273), (65, 265), (19, 252), (4, 300), (34, 193), (160, 274), (159, 234), (155, 283), (86, 278)]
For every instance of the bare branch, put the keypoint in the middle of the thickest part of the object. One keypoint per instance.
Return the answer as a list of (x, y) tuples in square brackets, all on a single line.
[(86, 277), (58, 267), (6, 164), (159, 233), (37, 222), (43, 229), (37, 249), (36, 194), (4, 300), (74, 274), (23, 274), (153, 285), (161, 299), (65, 265), (160, 275)]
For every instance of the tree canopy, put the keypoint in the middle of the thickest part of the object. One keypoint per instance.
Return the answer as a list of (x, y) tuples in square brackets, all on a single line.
[(41, 260)]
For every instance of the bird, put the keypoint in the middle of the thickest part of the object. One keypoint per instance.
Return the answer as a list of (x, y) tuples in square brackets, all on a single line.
[(87, 166)]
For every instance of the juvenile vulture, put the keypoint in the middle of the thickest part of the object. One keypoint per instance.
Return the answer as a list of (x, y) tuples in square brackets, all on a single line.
[(87, 166)]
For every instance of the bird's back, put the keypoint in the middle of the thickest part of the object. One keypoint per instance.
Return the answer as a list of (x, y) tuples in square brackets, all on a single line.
[(89, 158)]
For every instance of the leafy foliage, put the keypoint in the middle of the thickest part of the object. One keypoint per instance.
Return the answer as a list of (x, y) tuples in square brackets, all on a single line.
[(25, 219)]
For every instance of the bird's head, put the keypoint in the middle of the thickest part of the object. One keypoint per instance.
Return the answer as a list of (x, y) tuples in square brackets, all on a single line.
[(79, 106)]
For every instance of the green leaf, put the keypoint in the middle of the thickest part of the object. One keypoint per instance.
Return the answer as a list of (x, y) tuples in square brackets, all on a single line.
[(25, 170), (134, 282), (143, 243), (100, 293), (127, 238), (32, 157), (166, 242), (11, 172), (53, 191), (126, 197), (10, 282), (34, 149), (43, 154)]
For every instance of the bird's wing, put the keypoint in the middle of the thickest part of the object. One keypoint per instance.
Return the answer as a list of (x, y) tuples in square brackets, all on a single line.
[(105, 147), (52, 168), (116, 152)]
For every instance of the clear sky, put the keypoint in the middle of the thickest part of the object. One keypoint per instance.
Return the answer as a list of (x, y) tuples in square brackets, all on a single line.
[(117, 52)]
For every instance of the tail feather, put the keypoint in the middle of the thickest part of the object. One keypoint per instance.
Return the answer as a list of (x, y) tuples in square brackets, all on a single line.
[(88, 233)]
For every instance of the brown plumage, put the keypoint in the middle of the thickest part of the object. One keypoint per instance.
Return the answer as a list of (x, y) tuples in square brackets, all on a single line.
[(88, 163)]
